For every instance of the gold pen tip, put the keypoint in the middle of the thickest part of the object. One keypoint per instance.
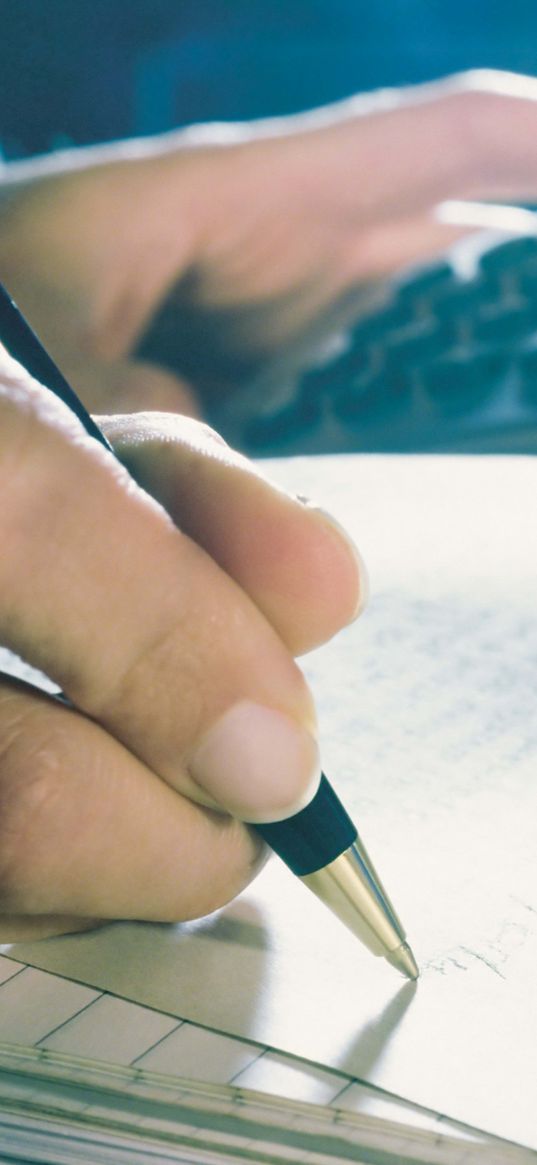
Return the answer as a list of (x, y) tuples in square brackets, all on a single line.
[(403, 960)]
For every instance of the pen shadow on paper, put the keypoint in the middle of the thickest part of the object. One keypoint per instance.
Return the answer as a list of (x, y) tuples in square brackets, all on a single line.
[(229, 972), (372, 1040)]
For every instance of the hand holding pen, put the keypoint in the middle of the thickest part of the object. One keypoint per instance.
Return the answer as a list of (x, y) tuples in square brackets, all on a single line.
[(253, 749), (171, 627)]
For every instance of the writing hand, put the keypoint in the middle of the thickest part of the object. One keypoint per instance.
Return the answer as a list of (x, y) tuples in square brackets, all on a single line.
[(171, 625)]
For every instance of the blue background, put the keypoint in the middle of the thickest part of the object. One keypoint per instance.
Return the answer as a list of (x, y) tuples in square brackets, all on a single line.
[(78, 71)]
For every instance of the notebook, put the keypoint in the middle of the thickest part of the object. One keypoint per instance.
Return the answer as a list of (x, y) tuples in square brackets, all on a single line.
[(427, 710)]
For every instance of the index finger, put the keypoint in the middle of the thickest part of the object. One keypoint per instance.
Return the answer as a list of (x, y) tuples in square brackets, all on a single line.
[(292, 558)]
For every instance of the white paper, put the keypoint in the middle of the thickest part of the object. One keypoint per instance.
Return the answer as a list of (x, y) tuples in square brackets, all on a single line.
[(428, 709)]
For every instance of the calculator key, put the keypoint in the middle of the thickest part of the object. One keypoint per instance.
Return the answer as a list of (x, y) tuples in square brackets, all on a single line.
[(359, 402), (526, 281), (373, 329), (505, 322), (463, 379), (415, 345), (462, 300), (509, 254), (320, 382), (422, 286), (527, 367)]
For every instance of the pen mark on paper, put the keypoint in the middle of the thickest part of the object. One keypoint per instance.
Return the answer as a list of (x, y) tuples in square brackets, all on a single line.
[(496, 953), (482, 958)]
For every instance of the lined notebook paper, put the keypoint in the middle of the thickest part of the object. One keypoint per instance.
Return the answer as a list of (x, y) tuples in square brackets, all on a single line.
[(428, 714)]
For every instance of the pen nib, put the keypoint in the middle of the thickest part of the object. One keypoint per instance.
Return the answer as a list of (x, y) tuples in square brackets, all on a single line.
[(403, 960)]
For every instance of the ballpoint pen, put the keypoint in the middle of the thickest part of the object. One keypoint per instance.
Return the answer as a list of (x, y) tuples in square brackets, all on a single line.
[(320, 843)]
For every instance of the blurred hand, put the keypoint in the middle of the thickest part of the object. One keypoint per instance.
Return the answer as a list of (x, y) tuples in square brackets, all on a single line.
[(262, 232), (171, 627)]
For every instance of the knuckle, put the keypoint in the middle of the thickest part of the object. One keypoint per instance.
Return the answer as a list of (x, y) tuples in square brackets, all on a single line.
[(14, 417), (22, 431), (30, 792), (147, 679), (37, 471)]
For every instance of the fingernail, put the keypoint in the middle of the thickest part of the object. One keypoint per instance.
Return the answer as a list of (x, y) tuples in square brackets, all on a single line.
[(258, 763)]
